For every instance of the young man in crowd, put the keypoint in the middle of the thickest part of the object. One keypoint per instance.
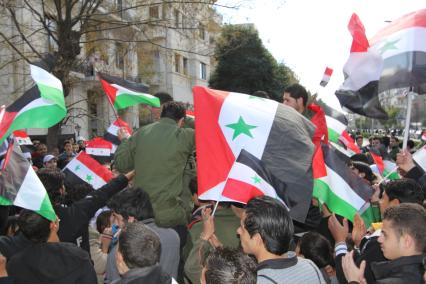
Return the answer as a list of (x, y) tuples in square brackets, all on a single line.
[(266, 231)]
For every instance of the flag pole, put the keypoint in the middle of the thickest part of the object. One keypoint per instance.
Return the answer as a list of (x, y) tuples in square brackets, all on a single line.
[(407, 119), (215, 207)]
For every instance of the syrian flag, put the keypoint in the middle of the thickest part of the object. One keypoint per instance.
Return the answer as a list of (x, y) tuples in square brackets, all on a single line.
[(402, 45), (326, 77), (111, 134), (42, 106), (99, 149), (122, 93), (84, 168), (339, 188), (359, 92), (274, 133), (24, 141), (249, 178), (20, 185), (420, 157)]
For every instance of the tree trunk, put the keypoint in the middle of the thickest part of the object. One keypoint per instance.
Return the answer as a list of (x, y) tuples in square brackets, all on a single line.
[(53, 136)]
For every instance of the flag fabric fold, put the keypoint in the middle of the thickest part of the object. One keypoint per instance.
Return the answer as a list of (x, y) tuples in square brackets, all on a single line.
[(122, 93), (274, 133), (20, 185), (84, 168), (359, 91), (42, 106)]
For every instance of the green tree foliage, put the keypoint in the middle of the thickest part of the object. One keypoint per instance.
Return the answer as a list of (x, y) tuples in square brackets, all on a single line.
[(245, 65)]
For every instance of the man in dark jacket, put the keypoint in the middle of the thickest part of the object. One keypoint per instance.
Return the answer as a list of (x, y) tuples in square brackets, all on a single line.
[(403, 243), (138, 255), (47, 260)]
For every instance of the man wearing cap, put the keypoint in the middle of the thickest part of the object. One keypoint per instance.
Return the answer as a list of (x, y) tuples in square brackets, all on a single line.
[(50, 161)]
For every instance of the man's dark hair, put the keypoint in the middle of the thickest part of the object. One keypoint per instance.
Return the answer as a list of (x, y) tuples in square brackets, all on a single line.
[(53, 180), (132, 202), (139, 245), (67, 142), (297, 91), (317, 248), (365, 169), (269, 217), (261, 94), (359, 136), (405, 190), (164, 97), (410, 144), (103, 221), (76, 192), (359, 157), (229, 266), (34, 227), (409, 218), (386, 141), (174, 110)]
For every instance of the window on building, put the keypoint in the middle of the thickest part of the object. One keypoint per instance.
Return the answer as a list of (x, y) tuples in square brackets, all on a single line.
[(119, 55), (154, 12), (203, 71), (201, 32), (177, 18), (185, 65), (177, 62)]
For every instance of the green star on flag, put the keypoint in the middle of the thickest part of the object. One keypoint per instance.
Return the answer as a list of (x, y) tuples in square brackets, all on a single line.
[(89, 178), (256, 179), (388, 46), (241, 127), (77, 168)]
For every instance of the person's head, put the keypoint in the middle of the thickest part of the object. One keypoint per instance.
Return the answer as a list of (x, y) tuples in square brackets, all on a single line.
[(359, 157), (37, 228), (386, 141), (265, 226), (53, 181), (42, 149), (174, 110), (296, 96), (261, 94), (410, 145), (394, 141), (68, 147), (138, 247), (401, 191), (35, 143), (11, 227), (359, 141), (164, 98), (103, 221), (362, 170), (75, 148), (130, 205), (403, 231), (228, 266), (50, 161), (317, 248), (76, 192), (376, 142)]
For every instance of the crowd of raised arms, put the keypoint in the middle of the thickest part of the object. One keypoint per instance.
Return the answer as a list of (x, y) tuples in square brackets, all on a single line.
[(147, 225)]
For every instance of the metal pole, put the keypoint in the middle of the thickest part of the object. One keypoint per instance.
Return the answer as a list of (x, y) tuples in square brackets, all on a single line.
[(407, 120)]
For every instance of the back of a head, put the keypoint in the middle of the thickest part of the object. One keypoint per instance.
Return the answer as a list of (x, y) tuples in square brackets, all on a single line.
[(34, 227), (365, 169), (360, 158), (405, 190), (53, 181), (139, 246), (297, 91), (174, 110), (261, 94), (317, 248), (409, 219), (269, 217), (76, 192), (163, 97), (133, 202), (229, 266)]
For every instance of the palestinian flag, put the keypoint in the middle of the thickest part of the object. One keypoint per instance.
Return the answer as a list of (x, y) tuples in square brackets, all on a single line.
[(420, 157), (402, 45), (385, 167), (274, 133), (111, 134), (84, 168), (122, 93), (249, 178), (326, 77), (42, 106), (20, 185), (339, 188), (359, 92), (99, 149)]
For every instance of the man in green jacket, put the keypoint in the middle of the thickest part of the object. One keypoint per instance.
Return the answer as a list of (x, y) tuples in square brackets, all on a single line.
[(159, 153)]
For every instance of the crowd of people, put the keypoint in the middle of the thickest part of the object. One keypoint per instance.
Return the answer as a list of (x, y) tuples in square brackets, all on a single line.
[(147, 225)]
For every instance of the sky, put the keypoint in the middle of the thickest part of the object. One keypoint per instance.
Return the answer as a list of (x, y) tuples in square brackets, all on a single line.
[(309, 35)]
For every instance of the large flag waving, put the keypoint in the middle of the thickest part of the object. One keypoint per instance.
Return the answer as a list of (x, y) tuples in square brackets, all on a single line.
[(359, 92), (42, 106), (122, 93), (20, 185), (341, 190), (274, 133), (402, 44)]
